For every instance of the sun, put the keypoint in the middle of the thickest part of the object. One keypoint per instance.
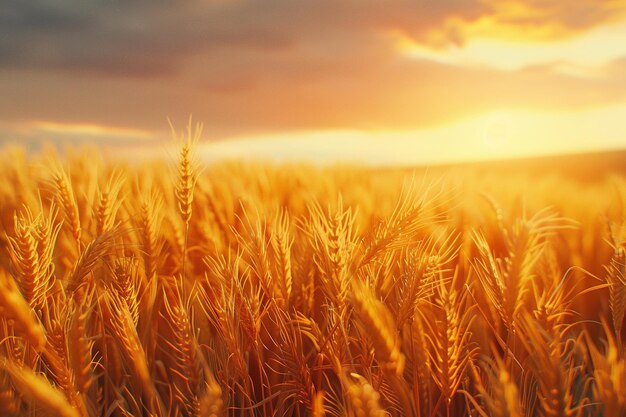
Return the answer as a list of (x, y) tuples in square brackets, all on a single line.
[(496, 132)]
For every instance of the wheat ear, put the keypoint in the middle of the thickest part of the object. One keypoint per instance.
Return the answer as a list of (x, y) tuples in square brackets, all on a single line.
[(616, 278), (364, 399), (211, 402), (38, 390), (65, 195), (14, 307), (379, 325)]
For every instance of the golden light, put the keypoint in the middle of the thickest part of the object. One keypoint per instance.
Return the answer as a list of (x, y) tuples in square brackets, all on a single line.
[(89, 129), (501, 134), (585, 54)]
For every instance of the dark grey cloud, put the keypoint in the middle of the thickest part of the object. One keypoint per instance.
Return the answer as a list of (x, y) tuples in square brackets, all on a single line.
[(116, 37), (158, 37)]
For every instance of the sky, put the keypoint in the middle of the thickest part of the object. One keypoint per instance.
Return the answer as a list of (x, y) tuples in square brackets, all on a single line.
[(378, 81)]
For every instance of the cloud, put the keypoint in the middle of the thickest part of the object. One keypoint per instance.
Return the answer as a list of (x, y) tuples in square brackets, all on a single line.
[(120, 38), (274, 95), (249, 66), (157, 37), (34, 134), (515, 20), (594, 49)]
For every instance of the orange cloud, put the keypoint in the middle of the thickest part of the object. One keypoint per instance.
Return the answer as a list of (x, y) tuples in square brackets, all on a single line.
[(581, 55), (522, 20)]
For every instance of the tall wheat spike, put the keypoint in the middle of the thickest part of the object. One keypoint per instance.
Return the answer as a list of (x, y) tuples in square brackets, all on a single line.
[(452, 350), (38, 390), (31, 256), (109, 203), (65, 195), (15, 308), (609, 372), (364, 400), (616, 278), (282, 243), (380, 327), (499, 392)]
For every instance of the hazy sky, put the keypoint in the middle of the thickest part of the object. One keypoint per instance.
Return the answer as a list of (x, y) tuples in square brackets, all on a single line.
[(377, 80)]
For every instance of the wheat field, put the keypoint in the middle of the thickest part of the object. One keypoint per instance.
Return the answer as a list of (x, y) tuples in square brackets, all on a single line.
[(170, 288)]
